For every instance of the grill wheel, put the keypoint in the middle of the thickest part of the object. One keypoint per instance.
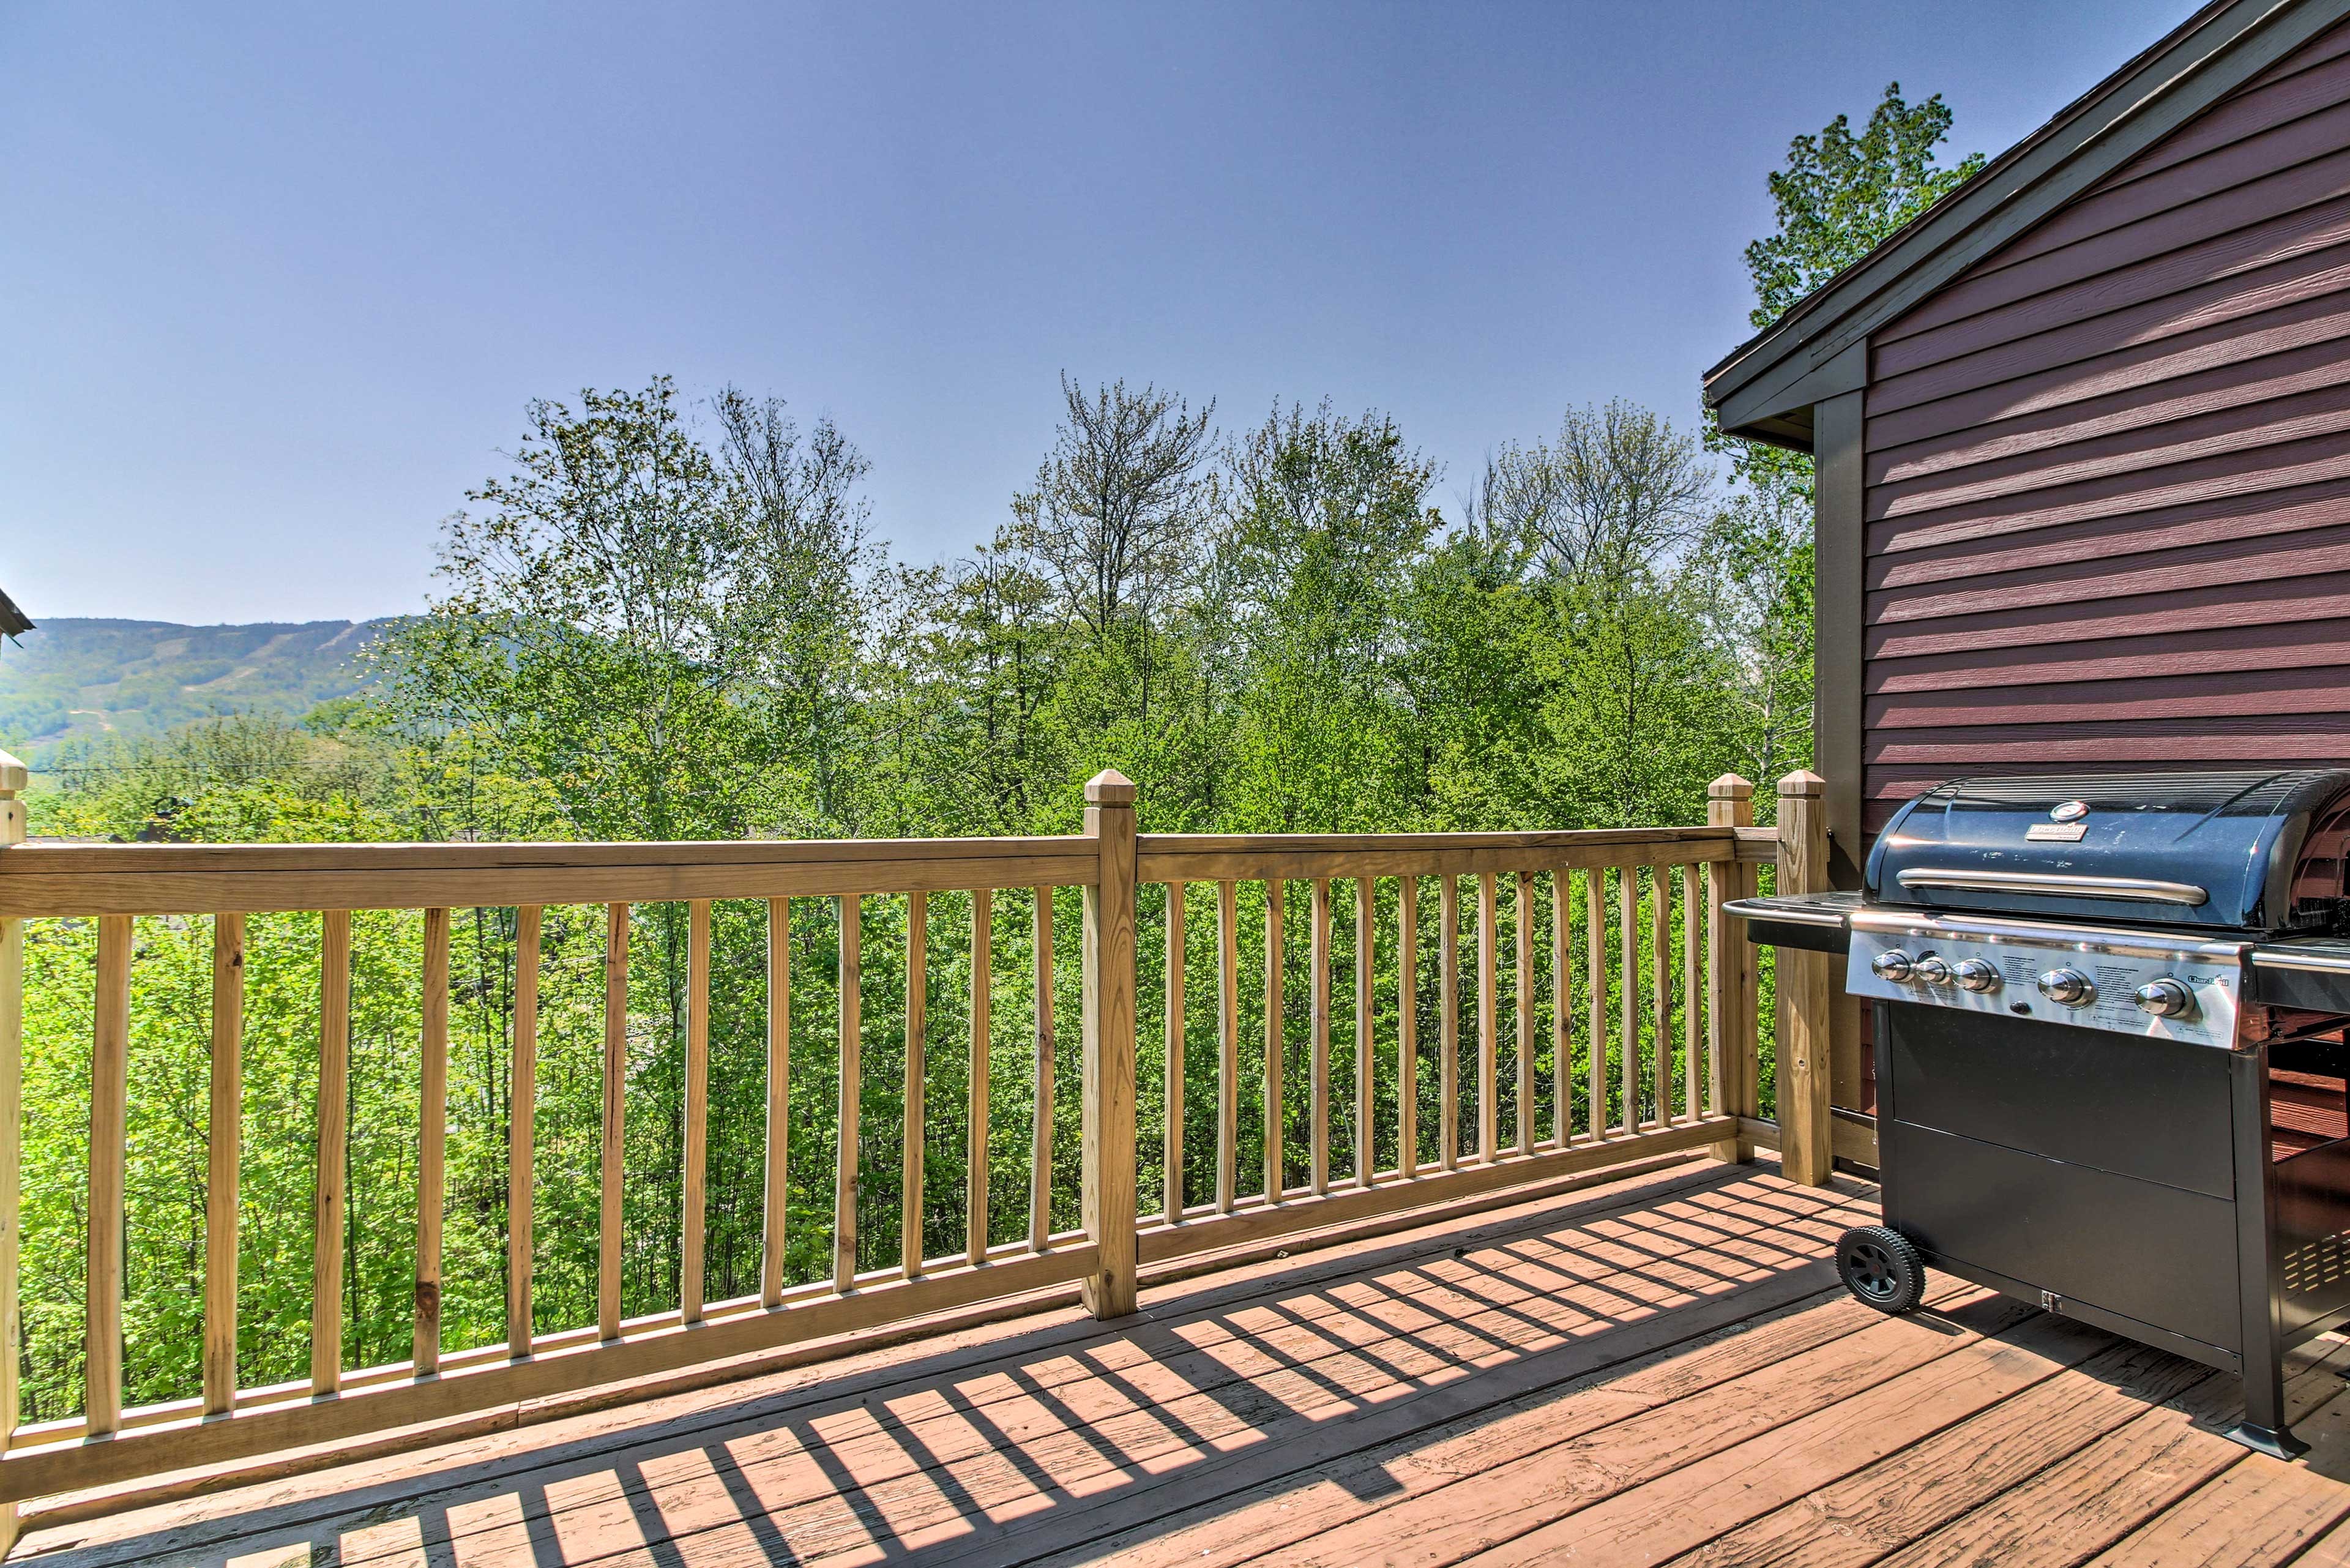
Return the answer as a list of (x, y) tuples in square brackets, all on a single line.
[(1880, 1267)]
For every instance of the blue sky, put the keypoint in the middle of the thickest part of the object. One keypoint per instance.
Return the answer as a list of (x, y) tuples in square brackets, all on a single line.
[(277, 282)]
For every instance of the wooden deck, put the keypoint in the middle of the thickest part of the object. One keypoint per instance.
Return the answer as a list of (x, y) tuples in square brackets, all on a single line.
[(1660, 1370)]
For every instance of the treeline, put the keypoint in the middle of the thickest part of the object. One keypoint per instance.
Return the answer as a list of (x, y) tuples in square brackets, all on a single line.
[(675, 623), (674, 620)]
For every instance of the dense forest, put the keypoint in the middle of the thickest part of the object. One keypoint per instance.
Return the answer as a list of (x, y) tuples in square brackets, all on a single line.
[(677, 619)]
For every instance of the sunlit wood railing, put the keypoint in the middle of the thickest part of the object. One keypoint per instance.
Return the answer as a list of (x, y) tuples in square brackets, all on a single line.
[(1596, 965), (1518, 1006)]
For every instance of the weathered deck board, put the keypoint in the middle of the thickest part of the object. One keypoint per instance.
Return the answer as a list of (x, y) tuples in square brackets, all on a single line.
[(1532, 1485), (2258, 1512), (1887, 1505), (2073, 1511), (1659, 1370)]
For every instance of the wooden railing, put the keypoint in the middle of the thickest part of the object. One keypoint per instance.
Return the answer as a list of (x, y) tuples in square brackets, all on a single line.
[(1589, 1005)]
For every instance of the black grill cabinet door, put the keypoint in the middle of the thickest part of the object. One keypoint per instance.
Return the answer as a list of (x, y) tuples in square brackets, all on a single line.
[(2158, 1254), (2153, 1109)]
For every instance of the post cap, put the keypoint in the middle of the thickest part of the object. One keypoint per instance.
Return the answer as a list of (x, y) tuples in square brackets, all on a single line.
[(1802, 782), (14, 775), (1109, 787), (1729, 786)]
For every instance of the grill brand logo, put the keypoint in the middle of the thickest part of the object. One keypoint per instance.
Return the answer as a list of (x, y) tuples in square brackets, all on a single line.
[(2065, 826)]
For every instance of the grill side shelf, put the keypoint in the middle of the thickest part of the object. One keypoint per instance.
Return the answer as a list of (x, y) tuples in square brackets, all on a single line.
[(2311, 975), (1813, 922)]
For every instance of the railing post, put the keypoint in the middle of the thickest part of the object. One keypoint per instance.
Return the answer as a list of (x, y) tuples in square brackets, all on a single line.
[(13, 780), (1735, 1005), (1804, 993), (1110, 1181)]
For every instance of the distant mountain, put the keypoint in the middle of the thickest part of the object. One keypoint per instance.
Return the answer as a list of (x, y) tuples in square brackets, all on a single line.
[(75, 680)]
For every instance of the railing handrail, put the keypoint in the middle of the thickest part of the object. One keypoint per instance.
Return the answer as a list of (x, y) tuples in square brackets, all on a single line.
[(35, 856), (77, 880), (38, 879), (1306, 857), (1505, 838), (481, 855)]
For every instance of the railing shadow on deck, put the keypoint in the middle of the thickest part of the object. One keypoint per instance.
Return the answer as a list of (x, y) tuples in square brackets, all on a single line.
[(1054, 1438)]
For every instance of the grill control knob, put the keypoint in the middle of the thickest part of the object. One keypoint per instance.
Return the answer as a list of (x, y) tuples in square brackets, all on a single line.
[(2069, 986), (2166, 999), (1892, 964), (1974, 974), (1931, 970)]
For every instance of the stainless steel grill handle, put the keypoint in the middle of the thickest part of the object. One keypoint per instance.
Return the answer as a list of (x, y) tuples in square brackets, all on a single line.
[(2055, 885)]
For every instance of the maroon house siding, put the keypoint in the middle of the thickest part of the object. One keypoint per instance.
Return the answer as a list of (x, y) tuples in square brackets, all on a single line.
[(2107, 468)]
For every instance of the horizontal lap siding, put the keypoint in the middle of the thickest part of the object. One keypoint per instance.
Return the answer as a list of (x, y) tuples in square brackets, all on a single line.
[(2107, 509)]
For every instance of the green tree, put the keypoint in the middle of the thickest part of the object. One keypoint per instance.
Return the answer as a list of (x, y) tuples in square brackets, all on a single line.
[(1631, 725), (801, 625), (1323, 517), (1617, 492), (252, 777), (666, 638), (1115, 512), (1837, 198), (1840, 196), (1750, 576)]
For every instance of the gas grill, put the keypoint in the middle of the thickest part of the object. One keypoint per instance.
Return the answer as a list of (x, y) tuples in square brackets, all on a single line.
[(2108, 1015)]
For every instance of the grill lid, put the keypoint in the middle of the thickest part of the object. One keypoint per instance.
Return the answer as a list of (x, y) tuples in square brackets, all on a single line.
[(2249, 851)]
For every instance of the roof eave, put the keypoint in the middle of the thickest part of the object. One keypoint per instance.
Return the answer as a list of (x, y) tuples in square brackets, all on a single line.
[(1763, 383)]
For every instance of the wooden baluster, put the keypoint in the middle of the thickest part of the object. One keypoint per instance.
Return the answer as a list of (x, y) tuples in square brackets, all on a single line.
[(852, 1069), (1526, 1012), (1562, 1042), (522, 1106), (982, 994), (1109, 1187), (1366, 1161), (909, 1154), (1627, 995), (224, 1134), (1171, 1154), (1276, 1045), (1408, 1027), (333, 1120), (1729, 971), (776, 1205), (692, 1250), (1448, 1059), (1040, 1151), (432, 1142), (1489, 1110), (109, 1091), (1693, 1104), (616, 1085), (1318, 1062), (1228, 1045), (1594, 964), (1660, 999)]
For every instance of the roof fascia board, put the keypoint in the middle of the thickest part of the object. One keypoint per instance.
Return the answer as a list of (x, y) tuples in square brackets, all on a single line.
[(1794, 384), (2127, 117)]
